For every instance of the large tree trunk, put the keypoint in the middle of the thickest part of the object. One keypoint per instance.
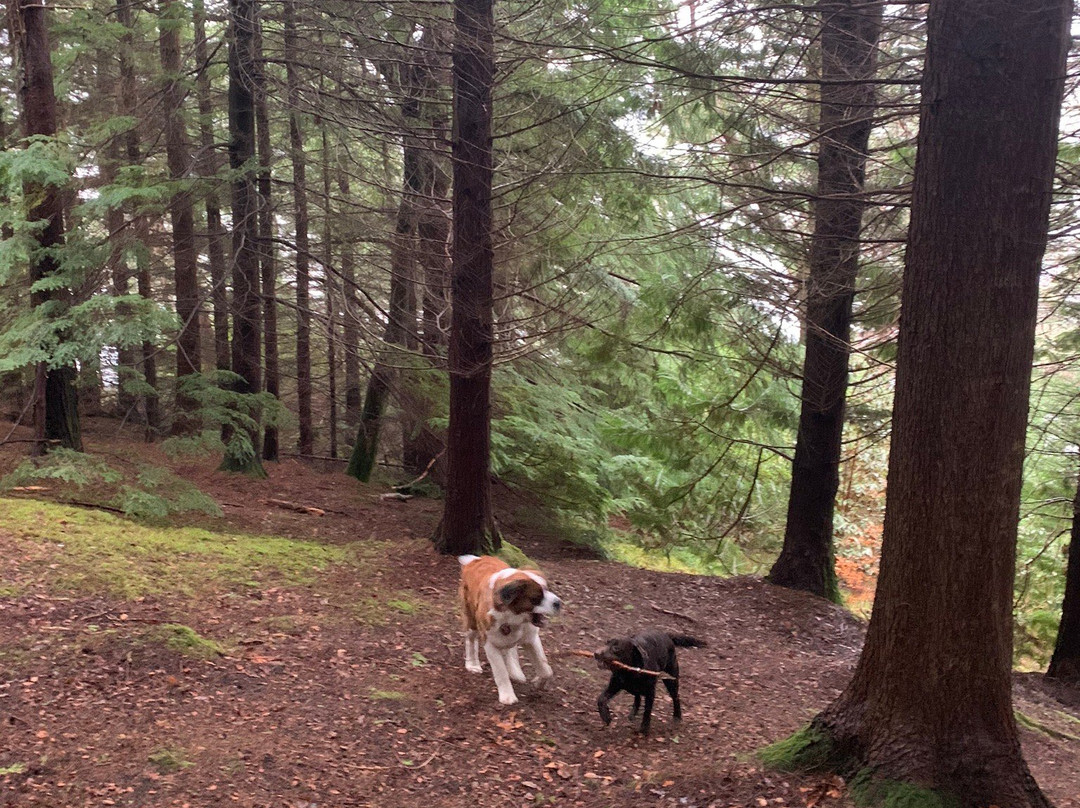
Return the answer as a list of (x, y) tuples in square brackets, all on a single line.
[(178, 156), (129, 104), (56, 410), (216, 244), (849, 34), (267, 256), (467, 524), (1065, 663), (930, 701), (306, 442), (243, 455)]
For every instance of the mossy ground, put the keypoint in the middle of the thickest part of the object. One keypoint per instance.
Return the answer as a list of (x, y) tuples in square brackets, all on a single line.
[(75, 550)]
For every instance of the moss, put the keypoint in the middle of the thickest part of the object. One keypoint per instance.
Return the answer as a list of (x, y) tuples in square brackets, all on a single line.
[(868, 791), (404, 606), (514, 556), (167, 760), (14, 768), (386, 695), (808, 749), (1030, 723), (184, 640), (84, 551)]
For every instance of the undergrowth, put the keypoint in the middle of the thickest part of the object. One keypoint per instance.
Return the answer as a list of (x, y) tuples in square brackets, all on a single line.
[(138, 490)]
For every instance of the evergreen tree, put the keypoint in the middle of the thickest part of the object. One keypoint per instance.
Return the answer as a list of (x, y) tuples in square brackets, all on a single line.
[(930, 701)]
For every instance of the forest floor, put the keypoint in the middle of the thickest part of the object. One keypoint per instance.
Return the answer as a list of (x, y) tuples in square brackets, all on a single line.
[(340, 681)]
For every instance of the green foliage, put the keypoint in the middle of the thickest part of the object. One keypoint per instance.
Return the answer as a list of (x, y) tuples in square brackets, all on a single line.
[(219, 408), (142, 491)]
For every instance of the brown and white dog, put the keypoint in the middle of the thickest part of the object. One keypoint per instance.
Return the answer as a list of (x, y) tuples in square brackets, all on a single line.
[(504, 608)]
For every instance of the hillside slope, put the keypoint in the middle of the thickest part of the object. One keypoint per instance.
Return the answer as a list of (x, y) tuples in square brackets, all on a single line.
[(160, 669)]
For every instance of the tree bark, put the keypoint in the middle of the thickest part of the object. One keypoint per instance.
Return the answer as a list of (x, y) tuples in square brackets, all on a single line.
[(242, 455), (1065, 663), (849, 35), (267, 256), (401, 317), (56, 409), (467, 524), (930, 701), (351, 315), (330, 290), (306, 443), (215, 231), (133, 153), (181, 214)]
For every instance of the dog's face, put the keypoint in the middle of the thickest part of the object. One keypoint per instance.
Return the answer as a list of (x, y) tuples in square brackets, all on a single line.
[(620, 650), (528, 600)]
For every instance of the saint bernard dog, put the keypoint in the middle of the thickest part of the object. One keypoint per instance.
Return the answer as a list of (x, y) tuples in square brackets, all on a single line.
[(503, 608)]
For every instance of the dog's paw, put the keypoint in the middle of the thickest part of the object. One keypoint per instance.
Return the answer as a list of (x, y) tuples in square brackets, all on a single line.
[(474, 668), (518, 676), (507, 698)]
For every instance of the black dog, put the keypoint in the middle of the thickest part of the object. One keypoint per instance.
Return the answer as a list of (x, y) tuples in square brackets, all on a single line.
[(651, 651)]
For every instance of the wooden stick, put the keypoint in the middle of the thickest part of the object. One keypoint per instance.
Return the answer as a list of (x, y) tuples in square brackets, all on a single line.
[(673, 614), (614, 663), (427, 470), (292, 506)]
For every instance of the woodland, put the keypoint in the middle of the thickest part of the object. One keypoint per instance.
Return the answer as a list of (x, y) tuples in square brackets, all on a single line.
[(301, 299)]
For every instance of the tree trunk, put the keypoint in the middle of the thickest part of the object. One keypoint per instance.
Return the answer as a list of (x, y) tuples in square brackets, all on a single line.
[(178, 156), (467, 524), (129, 104), (930, 702), (120, 275), (401, 317), (306, 443), (849, 34), (267, 257), (243, 452), (351, 315), (216, 244), (1065, 663), (56, 411), (329, 289)]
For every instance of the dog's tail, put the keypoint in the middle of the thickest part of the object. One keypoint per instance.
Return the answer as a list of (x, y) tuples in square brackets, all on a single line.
[(466, 559), (686, 641)]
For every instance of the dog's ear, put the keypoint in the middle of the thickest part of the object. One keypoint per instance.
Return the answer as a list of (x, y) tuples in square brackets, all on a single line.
[(641, 652), (508, 593)]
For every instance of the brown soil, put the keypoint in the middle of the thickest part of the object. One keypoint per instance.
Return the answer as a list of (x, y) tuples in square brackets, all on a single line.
[(332, 698)]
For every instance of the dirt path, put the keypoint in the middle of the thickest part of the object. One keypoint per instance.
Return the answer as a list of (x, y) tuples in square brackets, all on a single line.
[(351, 691)]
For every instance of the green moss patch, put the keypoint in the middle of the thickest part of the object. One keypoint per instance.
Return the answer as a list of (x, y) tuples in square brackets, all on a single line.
[(184, 641), (808, 749), (386, 695), (89, 552), (167, 760), (868, 791), (514, 556)]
